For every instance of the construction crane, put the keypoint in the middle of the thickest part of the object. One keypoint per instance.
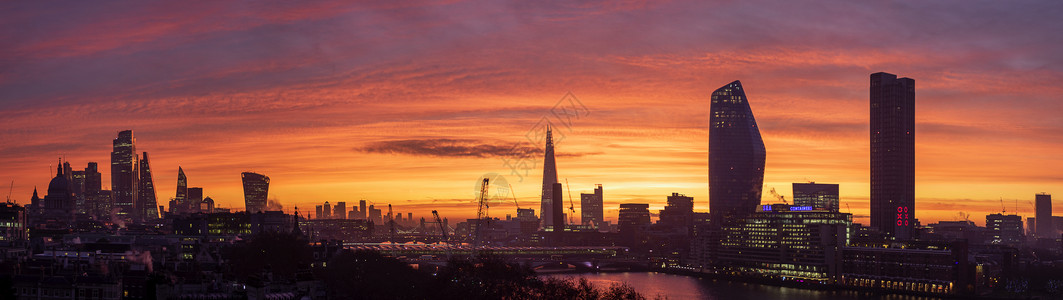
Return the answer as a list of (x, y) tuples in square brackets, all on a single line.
[(848, 209), (391, 224), (514, 197), (9, 190), (1002, 208), (481, 212), (571, 207), (442, 230)]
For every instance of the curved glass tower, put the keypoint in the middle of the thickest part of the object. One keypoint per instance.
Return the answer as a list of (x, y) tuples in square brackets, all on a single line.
[(256, 188), (736, 155)]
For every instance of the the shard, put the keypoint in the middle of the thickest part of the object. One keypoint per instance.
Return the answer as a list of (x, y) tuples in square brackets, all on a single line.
[(736, 155), (549, 179)]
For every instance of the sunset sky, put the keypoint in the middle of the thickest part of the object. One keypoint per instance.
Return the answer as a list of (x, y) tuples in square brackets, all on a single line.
[(410, 103)]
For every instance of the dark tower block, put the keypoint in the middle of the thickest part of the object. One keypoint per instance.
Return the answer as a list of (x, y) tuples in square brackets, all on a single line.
[(125, 176), (893, 155)]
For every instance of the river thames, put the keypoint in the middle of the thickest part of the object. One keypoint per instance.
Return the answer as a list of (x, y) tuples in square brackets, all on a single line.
[(652, 284)]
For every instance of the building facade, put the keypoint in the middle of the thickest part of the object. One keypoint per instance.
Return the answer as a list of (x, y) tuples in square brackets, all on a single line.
[(256, 189), (591, 210), (549, 179), (893, 155), (147, 201), (819, 196), (785, 242), (1005, 230), (1043, 214), (736, 155), (125, 175)]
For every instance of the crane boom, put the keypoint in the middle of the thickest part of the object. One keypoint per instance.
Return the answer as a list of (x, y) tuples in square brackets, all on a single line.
[(442, 230), (571, 207), (481, 213), (514, 196), (9, 190)]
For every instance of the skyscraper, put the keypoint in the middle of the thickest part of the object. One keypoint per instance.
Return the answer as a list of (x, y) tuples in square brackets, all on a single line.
[(256, 188), (362, 213), (819, 196), (590, 206), (125, 176), (340, 210), (549, 179), (147, 201), (893, 155), (181, 198), (736, 155), (97, 203), (1043, 216), (195, 199)]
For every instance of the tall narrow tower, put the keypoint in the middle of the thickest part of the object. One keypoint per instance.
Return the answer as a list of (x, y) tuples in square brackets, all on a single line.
[(736, 155), (125, 176), (147, 201), (549, 179), (1043, 213), (893, 155), (181, 198)]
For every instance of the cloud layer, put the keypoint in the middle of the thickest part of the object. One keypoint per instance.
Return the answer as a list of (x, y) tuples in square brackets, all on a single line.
[(432, 94)]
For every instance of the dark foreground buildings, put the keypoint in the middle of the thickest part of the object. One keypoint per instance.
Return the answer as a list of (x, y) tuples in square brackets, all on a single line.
[(736, 155), (893, 155)]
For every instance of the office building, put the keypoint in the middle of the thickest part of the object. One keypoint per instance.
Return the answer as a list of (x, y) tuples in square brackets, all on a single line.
[(326, 211), (633, 218), (592, 212), (819, 196), (736, 155), (786, 242), (12, 223), (549, 179), (362, 212), (256, 189), (557, 206), (147, 201), (922, 267), (1005, 230), (340, 210), (893, 155), (125, 175), (1043, 214), (678, 213), (195, 198)]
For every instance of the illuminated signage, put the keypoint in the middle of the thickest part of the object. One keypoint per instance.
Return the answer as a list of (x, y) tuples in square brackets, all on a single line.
[(800, 208), (902, 216), (765, 207)]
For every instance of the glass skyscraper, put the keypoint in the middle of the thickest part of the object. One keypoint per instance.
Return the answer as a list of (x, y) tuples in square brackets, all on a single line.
[(256, 188), (893, 155), (736, 155), (546, 210), (147, 201), (125, 175)]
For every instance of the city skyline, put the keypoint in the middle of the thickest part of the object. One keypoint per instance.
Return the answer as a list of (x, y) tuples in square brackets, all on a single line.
[(332, 121)]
